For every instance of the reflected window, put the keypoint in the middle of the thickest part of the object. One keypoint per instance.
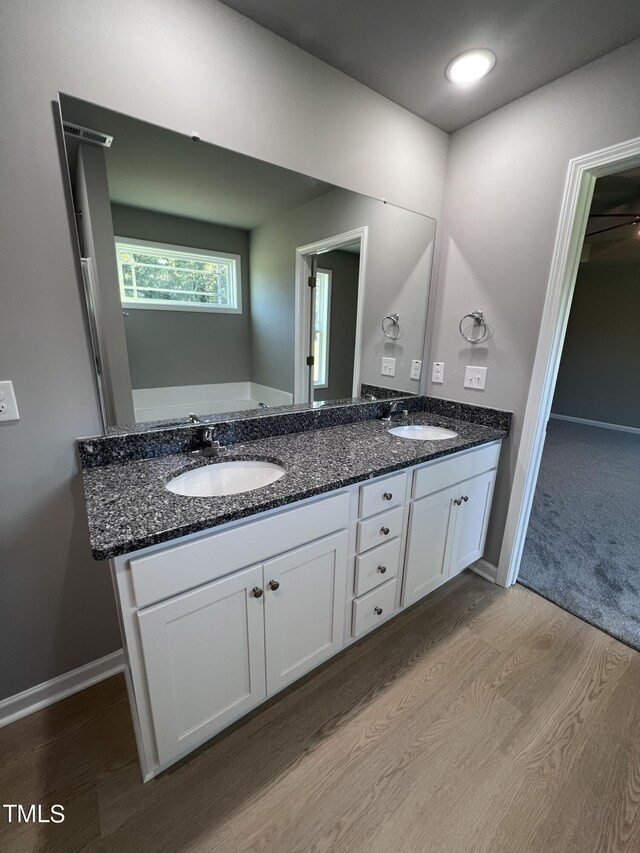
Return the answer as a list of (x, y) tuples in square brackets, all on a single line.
[(322, 313), (177, 278)]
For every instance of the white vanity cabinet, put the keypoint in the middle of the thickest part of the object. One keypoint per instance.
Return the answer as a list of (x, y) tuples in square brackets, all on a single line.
[(303, 606), (204, 659), (207, 651), (217, 622), (448, 526)]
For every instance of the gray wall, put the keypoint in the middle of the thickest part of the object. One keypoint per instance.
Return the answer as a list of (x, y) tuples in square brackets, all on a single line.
[(397, 274), (599, 376), (504, 186), (169, 348), (343, 309), (192, 65)]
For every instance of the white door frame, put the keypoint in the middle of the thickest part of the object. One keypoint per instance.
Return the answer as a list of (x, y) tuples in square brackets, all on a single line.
[(574, 213), (303, 306)]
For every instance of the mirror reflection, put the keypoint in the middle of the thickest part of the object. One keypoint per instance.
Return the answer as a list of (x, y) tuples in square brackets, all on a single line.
[(216, 282)]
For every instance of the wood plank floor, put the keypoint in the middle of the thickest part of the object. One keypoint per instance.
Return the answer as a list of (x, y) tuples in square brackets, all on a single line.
[(482, 720)]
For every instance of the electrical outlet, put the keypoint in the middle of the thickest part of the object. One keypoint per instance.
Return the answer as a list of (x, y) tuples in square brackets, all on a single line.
[(8, 405), (475, 377), (388, 367), (416, 369), (437, 372)]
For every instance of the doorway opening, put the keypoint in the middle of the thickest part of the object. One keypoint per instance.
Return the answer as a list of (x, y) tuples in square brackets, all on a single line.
[(329, 303), (572, 226), (583, 538)]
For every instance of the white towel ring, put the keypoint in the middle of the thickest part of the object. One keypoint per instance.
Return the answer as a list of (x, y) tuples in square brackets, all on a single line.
[(391, 326), (478, 331)]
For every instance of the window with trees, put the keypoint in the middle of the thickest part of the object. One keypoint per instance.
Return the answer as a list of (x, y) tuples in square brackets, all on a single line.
[(161, 276)]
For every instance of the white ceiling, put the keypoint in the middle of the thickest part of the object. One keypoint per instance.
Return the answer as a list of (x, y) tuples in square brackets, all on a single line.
[(400, 48)]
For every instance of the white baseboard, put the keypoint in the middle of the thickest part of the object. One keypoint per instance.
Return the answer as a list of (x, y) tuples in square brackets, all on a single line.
[(602, 424), (486, 570), (42, 695)]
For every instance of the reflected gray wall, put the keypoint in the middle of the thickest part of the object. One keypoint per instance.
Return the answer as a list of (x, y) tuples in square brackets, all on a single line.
[(599, 376), (168, 348), (397, 273), (96, 229), (195, 65), (343, 309)]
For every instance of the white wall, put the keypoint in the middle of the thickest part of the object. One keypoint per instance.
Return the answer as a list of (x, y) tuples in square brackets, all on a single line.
[(504, 186), (188, 65)]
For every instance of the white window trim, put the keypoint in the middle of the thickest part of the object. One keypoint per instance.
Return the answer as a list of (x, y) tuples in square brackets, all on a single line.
[(171, 249), (329, 274)]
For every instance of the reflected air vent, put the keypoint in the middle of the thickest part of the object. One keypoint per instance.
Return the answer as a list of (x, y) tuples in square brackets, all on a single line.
[(85, 134)]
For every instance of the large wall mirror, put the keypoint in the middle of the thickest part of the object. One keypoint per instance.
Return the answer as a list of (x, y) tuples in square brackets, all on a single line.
[(217, 283)]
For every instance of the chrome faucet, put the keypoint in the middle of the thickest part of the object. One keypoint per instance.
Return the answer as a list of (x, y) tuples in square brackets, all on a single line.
[(211, 447), (394, 414)]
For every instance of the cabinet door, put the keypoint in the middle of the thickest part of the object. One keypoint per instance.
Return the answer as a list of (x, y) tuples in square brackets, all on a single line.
[(304, 608), (204, 657), (471, 521), (426, 565)]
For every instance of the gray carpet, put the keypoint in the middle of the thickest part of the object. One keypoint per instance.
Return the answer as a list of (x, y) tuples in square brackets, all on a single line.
[(583, 544)]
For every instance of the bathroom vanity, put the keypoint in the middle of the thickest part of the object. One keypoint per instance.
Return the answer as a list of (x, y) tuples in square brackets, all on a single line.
[(238, 596)]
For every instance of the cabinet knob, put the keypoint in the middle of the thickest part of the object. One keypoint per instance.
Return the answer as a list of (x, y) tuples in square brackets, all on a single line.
[(378, 611), (274, 585), (384, 531), (257, 592), (465, 498), (387, 496), (382, 569), (457, 501)]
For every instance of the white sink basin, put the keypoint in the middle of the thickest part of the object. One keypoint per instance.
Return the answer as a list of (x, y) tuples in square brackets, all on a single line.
[(226, 478), (423, 432)]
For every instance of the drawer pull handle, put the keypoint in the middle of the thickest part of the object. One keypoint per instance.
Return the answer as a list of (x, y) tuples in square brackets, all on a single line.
[(384, 531), (382, 569), (257, 592), (274, 585), (378, 611), (465, 498), (387, 496), (458, 501)]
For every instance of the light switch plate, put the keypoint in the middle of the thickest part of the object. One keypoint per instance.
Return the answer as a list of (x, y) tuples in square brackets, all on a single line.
[(416, 369), (388, 367), (475, 377), (8, 405), (437, 372)]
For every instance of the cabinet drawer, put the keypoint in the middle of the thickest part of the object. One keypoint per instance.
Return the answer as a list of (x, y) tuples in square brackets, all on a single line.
[(376, 566), (383, 494), (182, 567), (379, 529), (447, 472), (373, 608)]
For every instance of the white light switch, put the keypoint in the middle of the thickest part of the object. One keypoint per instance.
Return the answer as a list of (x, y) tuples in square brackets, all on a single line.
[(475, 377), (437, 372), (388, 367), (8, 405), (416, 369)]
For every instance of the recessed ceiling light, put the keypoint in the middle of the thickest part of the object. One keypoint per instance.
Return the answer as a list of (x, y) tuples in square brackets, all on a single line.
[(470, 66)]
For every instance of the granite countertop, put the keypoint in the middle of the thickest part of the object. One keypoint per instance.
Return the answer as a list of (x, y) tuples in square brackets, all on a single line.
[(129, 508)]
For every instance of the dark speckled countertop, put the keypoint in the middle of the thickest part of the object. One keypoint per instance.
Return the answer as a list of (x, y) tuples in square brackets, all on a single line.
[(129, 508)]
